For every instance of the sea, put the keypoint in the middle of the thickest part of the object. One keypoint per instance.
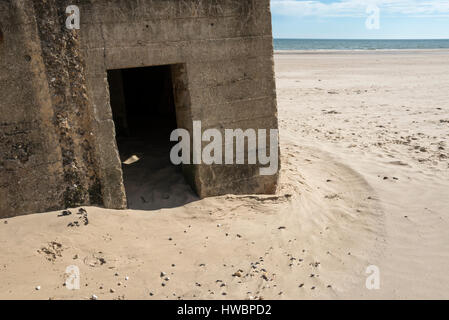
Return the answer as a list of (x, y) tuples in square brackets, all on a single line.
[(353, 44)]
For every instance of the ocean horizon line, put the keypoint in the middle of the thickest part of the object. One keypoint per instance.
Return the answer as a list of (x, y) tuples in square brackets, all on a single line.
[(366, 39), (359, 44)]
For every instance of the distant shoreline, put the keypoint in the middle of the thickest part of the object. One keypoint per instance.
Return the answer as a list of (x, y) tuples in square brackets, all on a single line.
[(342, 39), (361, 51), (327, 45)]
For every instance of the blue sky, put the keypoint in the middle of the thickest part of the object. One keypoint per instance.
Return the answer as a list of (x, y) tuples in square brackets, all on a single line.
[(345, 19)]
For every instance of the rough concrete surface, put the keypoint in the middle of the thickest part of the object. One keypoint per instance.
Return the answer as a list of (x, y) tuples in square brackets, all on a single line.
[(57, 134)]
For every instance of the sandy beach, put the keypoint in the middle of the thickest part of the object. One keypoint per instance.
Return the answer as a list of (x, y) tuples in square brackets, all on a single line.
[(364, 182)]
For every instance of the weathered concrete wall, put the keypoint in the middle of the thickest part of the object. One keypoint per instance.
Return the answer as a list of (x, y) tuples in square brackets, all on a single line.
[(46, 158), (224, 74), (30, 157), (57, 139)]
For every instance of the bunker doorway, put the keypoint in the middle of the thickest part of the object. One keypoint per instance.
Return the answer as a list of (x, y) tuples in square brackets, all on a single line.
[(144, 114)]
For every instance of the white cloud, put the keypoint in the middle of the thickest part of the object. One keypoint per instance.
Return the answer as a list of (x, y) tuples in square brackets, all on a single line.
[(357, 8)]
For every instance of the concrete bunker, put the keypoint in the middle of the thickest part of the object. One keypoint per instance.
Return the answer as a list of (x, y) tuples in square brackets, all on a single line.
[(144, 113), (59, 117)]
